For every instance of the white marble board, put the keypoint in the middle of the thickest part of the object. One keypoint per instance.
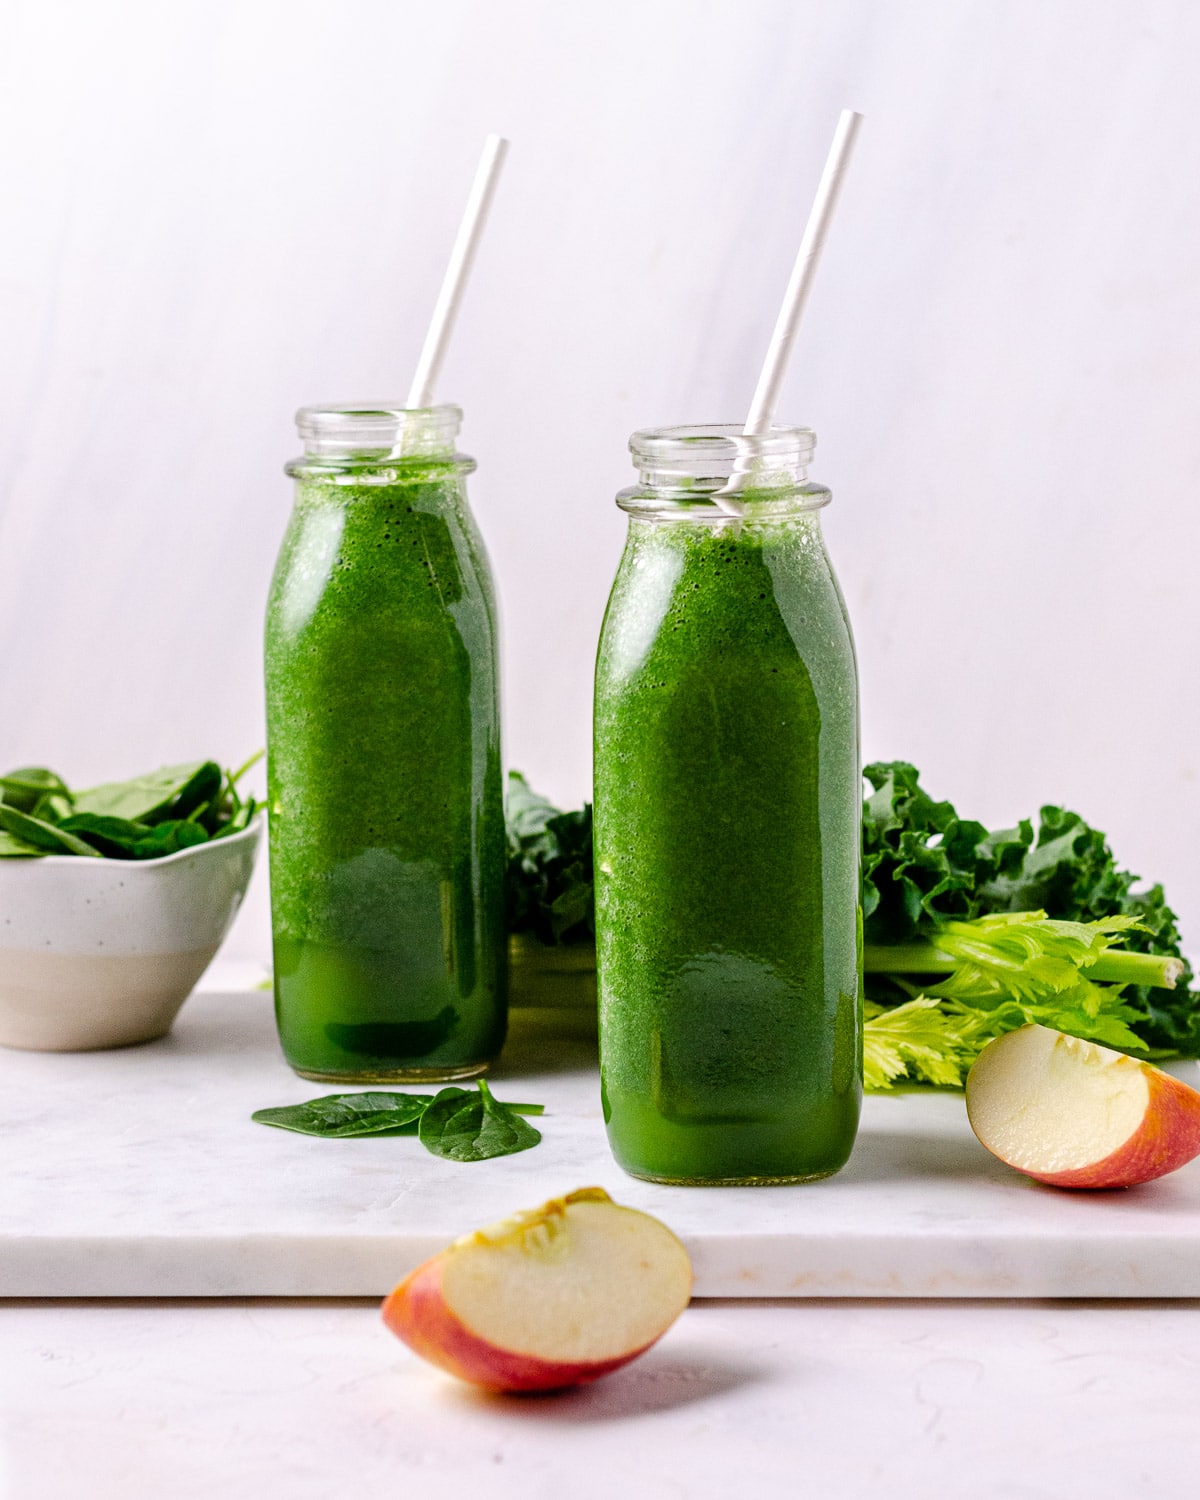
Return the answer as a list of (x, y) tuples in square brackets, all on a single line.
[(138, 1173)]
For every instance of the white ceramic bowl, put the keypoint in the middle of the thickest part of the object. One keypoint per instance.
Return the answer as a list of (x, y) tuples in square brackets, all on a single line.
[(103, 952)]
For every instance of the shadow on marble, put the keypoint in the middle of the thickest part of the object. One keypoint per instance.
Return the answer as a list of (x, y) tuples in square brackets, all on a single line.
[(648, 1386), (893, 1155), (215, 1033), (548, 1041)]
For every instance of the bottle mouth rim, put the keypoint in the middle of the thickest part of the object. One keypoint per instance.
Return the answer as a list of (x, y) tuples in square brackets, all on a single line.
[(357, 430), (681, 470), (713, 448), (346, 419)]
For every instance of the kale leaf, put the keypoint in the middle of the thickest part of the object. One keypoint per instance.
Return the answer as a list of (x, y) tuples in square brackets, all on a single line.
[(922, 863), (924, 866), (549, 885)]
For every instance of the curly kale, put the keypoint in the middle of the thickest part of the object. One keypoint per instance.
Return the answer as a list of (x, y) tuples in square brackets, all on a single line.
[(549, 867), (923, 866)]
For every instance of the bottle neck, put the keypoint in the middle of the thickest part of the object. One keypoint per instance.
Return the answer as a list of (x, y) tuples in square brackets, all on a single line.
[(682, 471), (380, 440)]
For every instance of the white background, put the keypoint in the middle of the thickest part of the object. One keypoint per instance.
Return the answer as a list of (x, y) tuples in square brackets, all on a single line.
[(214, 212)]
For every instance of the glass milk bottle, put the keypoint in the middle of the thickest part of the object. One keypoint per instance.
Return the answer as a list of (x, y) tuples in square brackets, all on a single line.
[(728, 808), (385, 790)]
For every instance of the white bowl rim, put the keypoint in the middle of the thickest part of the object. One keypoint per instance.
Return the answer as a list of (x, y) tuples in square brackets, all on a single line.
[(80, 861)]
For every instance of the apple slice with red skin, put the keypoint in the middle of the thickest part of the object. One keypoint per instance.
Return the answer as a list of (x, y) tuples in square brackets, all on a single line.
[(1078, 1115), (551, 1297)]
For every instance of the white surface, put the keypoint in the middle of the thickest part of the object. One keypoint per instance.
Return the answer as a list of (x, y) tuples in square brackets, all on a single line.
[(222, 212), (833, 1401), (139, 1173)]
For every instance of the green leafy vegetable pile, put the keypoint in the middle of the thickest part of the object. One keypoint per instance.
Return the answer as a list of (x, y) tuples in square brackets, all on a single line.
[(549, 867), (146, 817), (456, 1124), (970, 933)]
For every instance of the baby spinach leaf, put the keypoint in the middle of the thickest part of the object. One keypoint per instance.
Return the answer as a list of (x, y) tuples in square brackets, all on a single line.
[(12, 847), (232, 812), (120, 838), (461, 1126), (241, 818), (30, 786), (169, 838), (341, 1115), (195, 797), (170, 792), (146, 817), (116, 838), (43, 835)]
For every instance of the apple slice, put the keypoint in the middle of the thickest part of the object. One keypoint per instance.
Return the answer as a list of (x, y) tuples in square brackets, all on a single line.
[(553, 1296), (1075, 1114)]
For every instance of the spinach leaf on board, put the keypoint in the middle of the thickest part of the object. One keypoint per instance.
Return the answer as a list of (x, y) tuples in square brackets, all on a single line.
[(464, 1126), (342, 1115)]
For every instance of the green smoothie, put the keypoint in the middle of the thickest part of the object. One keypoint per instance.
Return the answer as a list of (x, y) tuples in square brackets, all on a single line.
[(385, 792), (727, 844)]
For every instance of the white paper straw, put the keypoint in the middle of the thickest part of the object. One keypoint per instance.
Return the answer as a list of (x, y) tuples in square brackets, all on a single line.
[(470, 231), (779, 351)]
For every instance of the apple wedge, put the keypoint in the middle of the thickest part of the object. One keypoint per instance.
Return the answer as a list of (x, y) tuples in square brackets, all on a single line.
[(1078, 1115), (551, 1297)]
